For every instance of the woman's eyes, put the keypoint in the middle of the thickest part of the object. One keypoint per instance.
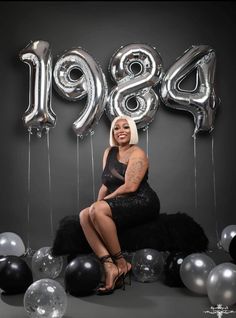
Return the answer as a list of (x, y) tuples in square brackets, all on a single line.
[(124, 127)]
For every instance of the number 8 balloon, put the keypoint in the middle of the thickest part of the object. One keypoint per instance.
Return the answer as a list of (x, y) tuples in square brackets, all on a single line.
[(136, 68), (39, 114), (201, 101), (92, 84)]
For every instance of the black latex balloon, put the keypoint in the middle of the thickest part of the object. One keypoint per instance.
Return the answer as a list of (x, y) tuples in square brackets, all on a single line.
[(15, 275), (232, 248), (172, 268), (82, 275)]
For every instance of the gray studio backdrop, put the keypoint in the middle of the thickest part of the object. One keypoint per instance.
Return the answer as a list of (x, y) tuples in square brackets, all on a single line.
[(101, 28)]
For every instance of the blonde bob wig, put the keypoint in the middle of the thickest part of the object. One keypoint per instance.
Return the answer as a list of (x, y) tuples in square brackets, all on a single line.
[(133, 130)]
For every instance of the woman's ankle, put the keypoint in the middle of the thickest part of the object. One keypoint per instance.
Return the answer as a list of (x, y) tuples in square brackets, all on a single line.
[(122, 265)]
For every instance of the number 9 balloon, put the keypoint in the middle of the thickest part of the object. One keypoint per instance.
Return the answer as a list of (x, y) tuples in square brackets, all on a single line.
[(201, 101), (39, 114), (92, 84), (136, 68)]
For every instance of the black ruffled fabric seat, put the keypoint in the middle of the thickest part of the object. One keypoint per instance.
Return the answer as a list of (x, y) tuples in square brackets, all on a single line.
[(169, 232)]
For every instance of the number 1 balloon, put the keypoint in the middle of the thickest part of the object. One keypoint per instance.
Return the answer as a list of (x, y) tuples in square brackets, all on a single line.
[(201, 102), (136, 68), (92, 84), (39, 114)]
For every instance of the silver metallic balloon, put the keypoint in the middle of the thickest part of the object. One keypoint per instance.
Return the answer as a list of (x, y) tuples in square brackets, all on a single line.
[(45, 298), (226, 236), (44, 265), (201, 102), (136, 68), (11, 244), (91, 84), (194, 271), (147, 265), (221, 284), (39, 114)]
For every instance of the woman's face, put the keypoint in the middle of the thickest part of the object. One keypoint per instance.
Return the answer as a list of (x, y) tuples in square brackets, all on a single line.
[(121, 132)]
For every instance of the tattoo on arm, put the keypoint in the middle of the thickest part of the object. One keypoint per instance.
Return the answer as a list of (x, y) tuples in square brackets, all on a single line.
[(136, 171)]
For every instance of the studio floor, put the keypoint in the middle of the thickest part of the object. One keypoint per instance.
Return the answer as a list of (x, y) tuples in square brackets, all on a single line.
[(146, 300)]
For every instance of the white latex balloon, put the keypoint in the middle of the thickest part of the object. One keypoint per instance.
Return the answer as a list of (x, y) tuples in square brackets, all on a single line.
[(194, 272), (226, 236), (11, 244), (221, 284)]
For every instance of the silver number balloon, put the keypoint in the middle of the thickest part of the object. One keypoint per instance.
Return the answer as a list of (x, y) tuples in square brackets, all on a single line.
[(136, 68), (39, 114), (201, 102), (221, 284), (92, 84), (194, 271)]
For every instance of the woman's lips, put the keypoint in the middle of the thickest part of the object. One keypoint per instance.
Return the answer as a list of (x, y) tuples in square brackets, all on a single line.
[(121, 136)]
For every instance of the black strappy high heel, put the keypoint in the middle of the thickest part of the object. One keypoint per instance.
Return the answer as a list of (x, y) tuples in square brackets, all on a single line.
[(122, 278), (118, 280)]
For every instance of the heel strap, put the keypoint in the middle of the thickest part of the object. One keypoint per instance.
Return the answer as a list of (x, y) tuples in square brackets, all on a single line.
[(117, 256), (106, 259)]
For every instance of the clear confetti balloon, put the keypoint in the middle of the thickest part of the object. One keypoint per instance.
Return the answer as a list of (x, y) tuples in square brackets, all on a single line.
[(11, 244), (147, 265), (45, 298), (44, 265)]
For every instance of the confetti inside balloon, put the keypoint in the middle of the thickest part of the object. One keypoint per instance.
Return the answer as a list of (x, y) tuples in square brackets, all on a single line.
[(45, 298), (147, 265), (44, 265)]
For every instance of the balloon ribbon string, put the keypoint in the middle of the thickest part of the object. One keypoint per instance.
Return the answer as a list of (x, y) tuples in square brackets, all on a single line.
[(77, 168), (195, 169), (92, 161), (214, 188), (50, 185), (29, 190), (147, 142)]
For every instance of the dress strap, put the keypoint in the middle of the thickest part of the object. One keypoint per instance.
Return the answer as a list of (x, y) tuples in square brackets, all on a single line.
[(112, 153)]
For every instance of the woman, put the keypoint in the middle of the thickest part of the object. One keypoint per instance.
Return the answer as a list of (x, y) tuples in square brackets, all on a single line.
[(125, 199)]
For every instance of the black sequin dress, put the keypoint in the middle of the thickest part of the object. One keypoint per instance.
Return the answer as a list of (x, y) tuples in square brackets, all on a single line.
[(132, 209)]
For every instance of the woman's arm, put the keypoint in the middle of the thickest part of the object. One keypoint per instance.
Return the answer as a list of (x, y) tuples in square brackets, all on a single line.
[(136, 169), (102, 192)]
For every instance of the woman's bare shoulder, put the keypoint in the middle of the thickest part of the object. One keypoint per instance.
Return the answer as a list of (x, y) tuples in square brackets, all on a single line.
[(138, 152), (106, 151)]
